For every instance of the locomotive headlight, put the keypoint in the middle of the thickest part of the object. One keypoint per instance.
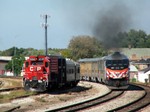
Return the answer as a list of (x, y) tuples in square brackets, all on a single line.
[(40, 81), (45, 77)]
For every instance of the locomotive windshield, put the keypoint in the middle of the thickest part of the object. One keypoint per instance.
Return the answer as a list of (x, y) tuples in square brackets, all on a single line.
[(36, 62), (117, 64)]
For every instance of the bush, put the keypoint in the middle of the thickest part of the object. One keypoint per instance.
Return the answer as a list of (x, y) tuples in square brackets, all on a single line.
[(133, 80)]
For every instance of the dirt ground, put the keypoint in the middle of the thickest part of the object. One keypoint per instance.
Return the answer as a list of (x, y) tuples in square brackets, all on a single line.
[(55, 99)]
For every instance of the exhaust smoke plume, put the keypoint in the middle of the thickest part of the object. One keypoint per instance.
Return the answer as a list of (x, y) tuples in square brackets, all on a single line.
[(110, 23)]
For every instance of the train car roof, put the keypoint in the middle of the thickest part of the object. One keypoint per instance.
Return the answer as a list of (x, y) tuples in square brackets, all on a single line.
[(116, 56), (90, 59), (70, 61)]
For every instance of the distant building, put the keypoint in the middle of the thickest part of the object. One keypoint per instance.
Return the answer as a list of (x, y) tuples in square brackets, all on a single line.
[(133, 73), (144, 75), (3, 62), (136, 54), (139, 57), (9, 73), (142, 64)]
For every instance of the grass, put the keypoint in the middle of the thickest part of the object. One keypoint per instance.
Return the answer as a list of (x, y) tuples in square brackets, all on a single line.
[(14, 83), (10, 83), (15, 94)]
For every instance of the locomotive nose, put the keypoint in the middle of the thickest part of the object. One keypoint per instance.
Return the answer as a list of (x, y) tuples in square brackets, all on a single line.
[(34, 78), (35, 68), (117, 83)]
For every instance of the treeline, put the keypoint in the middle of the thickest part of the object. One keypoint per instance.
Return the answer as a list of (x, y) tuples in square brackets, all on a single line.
[(27, 52), (19, 54), (78, 47), (134, 39), (86, 46)]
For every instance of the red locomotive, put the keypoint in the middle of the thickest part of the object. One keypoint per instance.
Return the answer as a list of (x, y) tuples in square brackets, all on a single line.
[(44, 72)]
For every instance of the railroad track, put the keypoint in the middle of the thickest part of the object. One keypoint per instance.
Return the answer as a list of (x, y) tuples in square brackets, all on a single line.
[(12, 77), (87, 104), (137, 104), (133, 106), (10, 89), (2, 83)]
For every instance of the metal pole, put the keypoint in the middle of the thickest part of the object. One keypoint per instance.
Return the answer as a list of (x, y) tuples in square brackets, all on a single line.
[(13, 66), (45, 25), (13, 62), (46, 35)]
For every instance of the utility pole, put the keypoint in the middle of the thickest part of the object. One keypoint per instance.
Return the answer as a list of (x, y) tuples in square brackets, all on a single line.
[(13, 62), (45, 25)]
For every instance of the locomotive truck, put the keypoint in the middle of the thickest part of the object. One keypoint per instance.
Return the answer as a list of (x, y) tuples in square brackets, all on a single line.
[(112, 70), (44, 72)]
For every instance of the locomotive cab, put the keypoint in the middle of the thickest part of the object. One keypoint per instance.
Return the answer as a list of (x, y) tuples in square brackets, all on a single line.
[(36, 74), (117, 71), (112, 70)]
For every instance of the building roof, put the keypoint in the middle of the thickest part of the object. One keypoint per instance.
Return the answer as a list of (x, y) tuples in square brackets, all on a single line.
[(5, 58), (90, 59), (136, 53), (145, 70), (133, 68), (8, 58), (143, 61)]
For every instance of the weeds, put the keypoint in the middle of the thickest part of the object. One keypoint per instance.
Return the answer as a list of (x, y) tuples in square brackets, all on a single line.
[(15, 94)]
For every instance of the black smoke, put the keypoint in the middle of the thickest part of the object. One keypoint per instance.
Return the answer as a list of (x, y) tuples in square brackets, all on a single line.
[(111, 22)]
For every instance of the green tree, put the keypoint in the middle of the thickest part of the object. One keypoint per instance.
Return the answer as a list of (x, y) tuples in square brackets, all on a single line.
[(123, 39), (136, 39), (85, 47), (147, 43), (9, 52), (66, 53), (15, 65)]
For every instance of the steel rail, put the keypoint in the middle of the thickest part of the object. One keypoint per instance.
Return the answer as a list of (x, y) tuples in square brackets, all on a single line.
[(89, 103), (10, 89), (137, 104)]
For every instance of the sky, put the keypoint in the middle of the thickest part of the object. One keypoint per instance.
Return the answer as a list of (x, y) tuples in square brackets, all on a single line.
[(21, 20)]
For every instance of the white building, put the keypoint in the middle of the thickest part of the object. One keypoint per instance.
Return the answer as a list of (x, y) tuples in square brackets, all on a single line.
[(144, 75), (9, 73), (133, 72)]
